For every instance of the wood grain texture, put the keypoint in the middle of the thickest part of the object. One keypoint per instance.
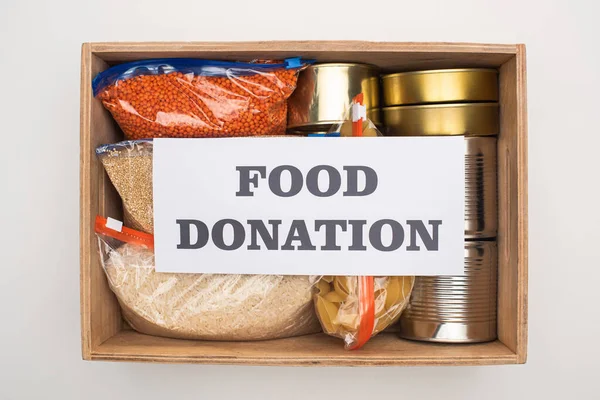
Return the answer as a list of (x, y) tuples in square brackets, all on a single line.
[(512, 207), (389, 56), (311, 350), (304, 45), (85, 184), (105, 337), (100, 315), (523, 207)]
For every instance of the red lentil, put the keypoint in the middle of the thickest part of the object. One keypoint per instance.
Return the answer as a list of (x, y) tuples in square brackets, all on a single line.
[(188, 105)]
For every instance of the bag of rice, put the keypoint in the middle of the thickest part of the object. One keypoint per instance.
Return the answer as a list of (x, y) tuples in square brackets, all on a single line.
[(200, 306)]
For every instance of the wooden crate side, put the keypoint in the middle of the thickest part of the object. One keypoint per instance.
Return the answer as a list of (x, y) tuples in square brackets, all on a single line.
[(304, 45), (523, 213), (100, 314), (84, 204), (385, 349), (512, 207), (388, 55)]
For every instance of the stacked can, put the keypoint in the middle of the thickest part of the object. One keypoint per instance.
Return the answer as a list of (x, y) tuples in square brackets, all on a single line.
[(324, 93), (454, 309)]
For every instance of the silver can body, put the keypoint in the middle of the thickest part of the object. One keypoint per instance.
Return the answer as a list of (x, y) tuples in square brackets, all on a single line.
[(456, 309), (481, 195)]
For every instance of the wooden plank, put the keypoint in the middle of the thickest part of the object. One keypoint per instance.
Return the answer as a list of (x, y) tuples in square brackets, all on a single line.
[(512, 207), (507, 208), (311, 350), (522, 220), (390, 56), (85, 183), (100, 315), (312, 45)]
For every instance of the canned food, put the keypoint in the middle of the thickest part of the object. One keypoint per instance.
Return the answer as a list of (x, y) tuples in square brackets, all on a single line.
[(481, 213), (346, 126), (440, 86), (324, 93), (374, 115), (456, 309), (476, 119)]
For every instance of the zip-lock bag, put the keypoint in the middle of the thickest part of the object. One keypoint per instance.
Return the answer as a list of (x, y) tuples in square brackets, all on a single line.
[(182, 97), (200, 306)]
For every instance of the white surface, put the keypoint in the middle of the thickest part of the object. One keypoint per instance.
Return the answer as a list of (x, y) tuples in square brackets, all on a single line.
[(358, 111), (39, 287), (198, 180), (114, 224)]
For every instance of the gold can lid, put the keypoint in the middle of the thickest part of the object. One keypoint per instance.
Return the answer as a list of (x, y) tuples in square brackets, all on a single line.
[(343, 65), (440, 86)]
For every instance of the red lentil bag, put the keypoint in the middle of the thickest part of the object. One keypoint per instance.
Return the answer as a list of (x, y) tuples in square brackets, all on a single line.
[(181, 97)]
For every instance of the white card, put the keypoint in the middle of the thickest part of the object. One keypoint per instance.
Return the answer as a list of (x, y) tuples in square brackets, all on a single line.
[(310, 206)]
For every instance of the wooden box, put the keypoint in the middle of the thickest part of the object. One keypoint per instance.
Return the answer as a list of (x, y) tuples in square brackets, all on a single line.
[(105, 336)]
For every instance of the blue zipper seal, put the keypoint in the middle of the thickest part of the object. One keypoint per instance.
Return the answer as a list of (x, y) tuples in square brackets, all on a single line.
[(104, 148), (332, 134), (187, 65)]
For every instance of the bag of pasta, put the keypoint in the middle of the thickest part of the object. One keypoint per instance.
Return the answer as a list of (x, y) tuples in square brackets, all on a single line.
[(183, 97), (355, 121), (356, 308)]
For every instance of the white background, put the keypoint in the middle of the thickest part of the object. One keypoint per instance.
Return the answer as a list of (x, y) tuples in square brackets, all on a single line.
[(39, 163)]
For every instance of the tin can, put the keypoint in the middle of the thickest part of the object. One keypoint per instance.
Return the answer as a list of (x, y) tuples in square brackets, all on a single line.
[(346, 126), (324, 93), (481, 194), (456, 309), (374, 115), (474, 119), (440, 86)]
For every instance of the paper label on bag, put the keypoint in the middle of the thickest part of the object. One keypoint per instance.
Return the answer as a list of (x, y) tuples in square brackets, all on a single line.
[(310, 206)]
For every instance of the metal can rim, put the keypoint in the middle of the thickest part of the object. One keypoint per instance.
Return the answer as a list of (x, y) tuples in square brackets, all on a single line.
[(442, 105), (344, 64), (437, 71)]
